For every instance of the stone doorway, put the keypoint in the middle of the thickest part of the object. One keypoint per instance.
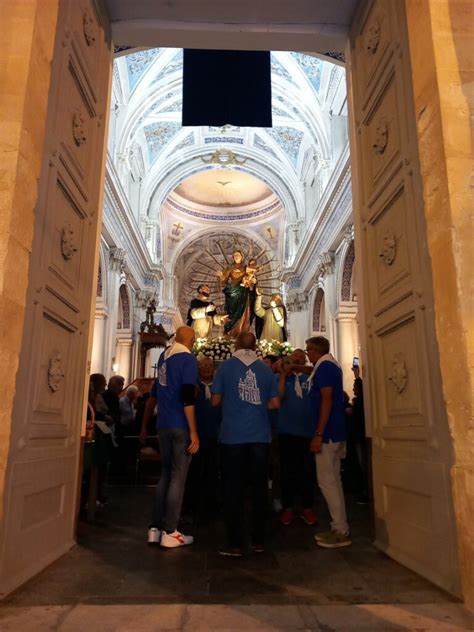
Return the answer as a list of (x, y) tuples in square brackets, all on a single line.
[(414, 452)]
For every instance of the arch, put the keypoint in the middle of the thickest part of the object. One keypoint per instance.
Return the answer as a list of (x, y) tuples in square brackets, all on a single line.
[(319, 311), (124, 309), (101, 291), (160, 185), (346, 293)]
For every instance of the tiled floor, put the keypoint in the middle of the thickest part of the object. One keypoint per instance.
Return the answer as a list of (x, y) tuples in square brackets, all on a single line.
[(113, 581)]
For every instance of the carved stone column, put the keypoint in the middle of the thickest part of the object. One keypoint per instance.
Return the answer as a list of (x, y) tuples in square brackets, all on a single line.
[(297, 309), (326, 277), (347, 336), (117, 265), (98, 343), (123, 357)]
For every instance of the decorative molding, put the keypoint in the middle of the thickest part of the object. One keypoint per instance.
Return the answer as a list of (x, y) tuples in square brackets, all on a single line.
[(78, 131), (381, 137), (219, 139), (223, 157), (388, 253), (55, 372), (88, 29), (349, 234), (117, 259), (68, 242), (325, 263), (398, 373), (144, 297), (227, 217), (297, 301)]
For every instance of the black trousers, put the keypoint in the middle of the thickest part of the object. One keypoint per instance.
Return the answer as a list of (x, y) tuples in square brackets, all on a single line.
[(202, 485), (241, 463), (297, 471)]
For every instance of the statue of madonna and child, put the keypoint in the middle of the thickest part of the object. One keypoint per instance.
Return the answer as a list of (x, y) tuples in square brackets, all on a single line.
[(243, 303), (238, 283)]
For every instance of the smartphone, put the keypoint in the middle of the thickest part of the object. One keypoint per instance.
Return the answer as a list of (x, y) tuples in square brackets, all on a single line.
[(355, 362)]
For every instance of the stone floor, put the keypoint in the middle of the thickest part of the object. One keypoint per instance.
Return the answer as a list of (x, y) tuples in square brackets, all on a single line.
[(113, 581)]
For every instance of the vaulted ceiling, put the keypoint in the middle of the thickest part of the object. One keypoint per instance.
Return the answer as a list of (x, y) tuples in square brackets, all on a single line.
[(191, 187)]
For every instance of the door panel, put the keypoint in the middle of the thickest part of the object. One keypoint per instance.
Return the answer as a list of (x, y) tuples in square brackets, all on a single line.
[(43, 462), (412, 452)]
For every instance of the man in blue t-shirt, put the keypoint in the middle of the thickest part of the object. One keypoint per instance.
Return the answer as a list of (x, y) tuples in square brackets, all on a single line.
[(247, 389), (295, 431), (174, 392), (328, 412)]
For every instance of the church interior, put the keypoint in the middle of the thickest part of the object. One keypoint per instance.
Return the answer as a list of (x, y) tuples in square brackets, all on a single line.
[(351, 215)]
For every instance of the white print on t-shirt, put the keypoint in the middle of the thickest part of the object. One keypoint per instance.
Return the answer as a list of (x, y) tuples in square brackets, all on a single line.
[(248, 389), (162, 374)]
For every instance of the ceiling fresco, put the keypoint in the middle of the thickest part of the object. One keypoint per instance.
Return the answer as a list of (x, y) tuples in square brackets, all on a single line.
[(254, 188)]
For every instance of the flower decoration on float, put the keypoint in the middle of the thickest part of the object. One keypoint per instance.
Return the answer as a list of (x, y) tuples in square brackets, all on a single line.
[(222, 348), (217, 348), (273, 347)]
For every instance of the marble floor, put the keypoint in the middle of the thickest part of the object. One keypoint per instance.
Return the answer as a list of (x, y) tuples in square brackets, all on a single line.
[(113, 581)]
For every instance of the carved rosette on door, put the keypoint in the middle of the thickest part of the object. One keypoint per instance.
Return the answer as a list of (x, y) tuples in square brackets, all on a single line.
[(88, 29), (381, 137), (388, 254), (68, 242), (78, 131), (399, 373), (373, 38), (55, 372)]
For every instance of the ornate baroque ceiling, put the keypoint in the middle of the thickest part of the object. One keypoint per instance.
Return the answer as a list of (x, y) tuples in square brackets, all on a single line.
[(186, 183)]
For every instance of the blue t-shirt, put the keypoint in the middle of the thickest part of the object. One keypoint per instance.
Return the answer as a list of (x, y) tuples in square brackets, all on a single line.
[(295, 414), (208, 417), (173, 372), (329, 374), (245, 392)]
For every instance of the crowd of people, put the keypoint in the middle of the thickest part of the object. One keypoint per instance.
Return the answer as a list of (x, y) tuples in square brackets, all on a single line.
[(249, 426)]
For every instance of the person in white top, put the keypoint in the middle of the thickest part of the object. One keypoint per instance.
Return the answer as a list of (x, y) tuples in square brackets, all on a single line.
[(127, 405)]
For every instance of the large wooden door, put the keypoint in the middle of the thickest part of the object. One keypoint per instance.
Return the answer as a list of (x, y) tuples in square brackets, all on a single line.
[(42, 469), (412, 452)]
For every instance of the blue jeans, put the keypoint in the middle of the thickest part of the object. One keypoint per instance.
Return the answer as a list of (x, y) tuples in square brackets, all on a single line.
[(175, 461), (241, 463)]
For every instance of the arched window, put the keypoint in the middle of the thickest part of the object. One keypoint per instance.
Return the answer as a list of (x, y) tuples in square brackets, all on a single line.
[(99, 292), (319, 318), (347, 273), (123, 320)]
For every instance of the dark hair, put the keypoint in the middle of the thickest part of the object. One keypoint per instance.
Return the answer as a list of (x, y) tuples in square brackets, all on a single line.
[(272, 358), (254, 261), (201, 286), (320, 343), (96, 379)]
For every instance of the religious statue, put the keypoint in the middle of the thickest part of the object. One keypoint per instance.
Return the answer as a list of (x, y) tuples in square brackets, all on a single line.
[(239, 284), (272, 325), (202, 313)]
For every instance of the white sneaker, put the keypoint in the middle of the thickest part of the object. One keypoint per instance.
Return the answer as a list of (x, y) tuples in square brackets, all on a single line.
[(154, 536), (172, 540)]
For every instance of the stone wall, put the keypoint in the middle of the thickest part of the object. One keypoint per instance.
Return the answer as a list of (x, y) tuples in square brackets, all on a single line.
[(27, 32), (441, 42)]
